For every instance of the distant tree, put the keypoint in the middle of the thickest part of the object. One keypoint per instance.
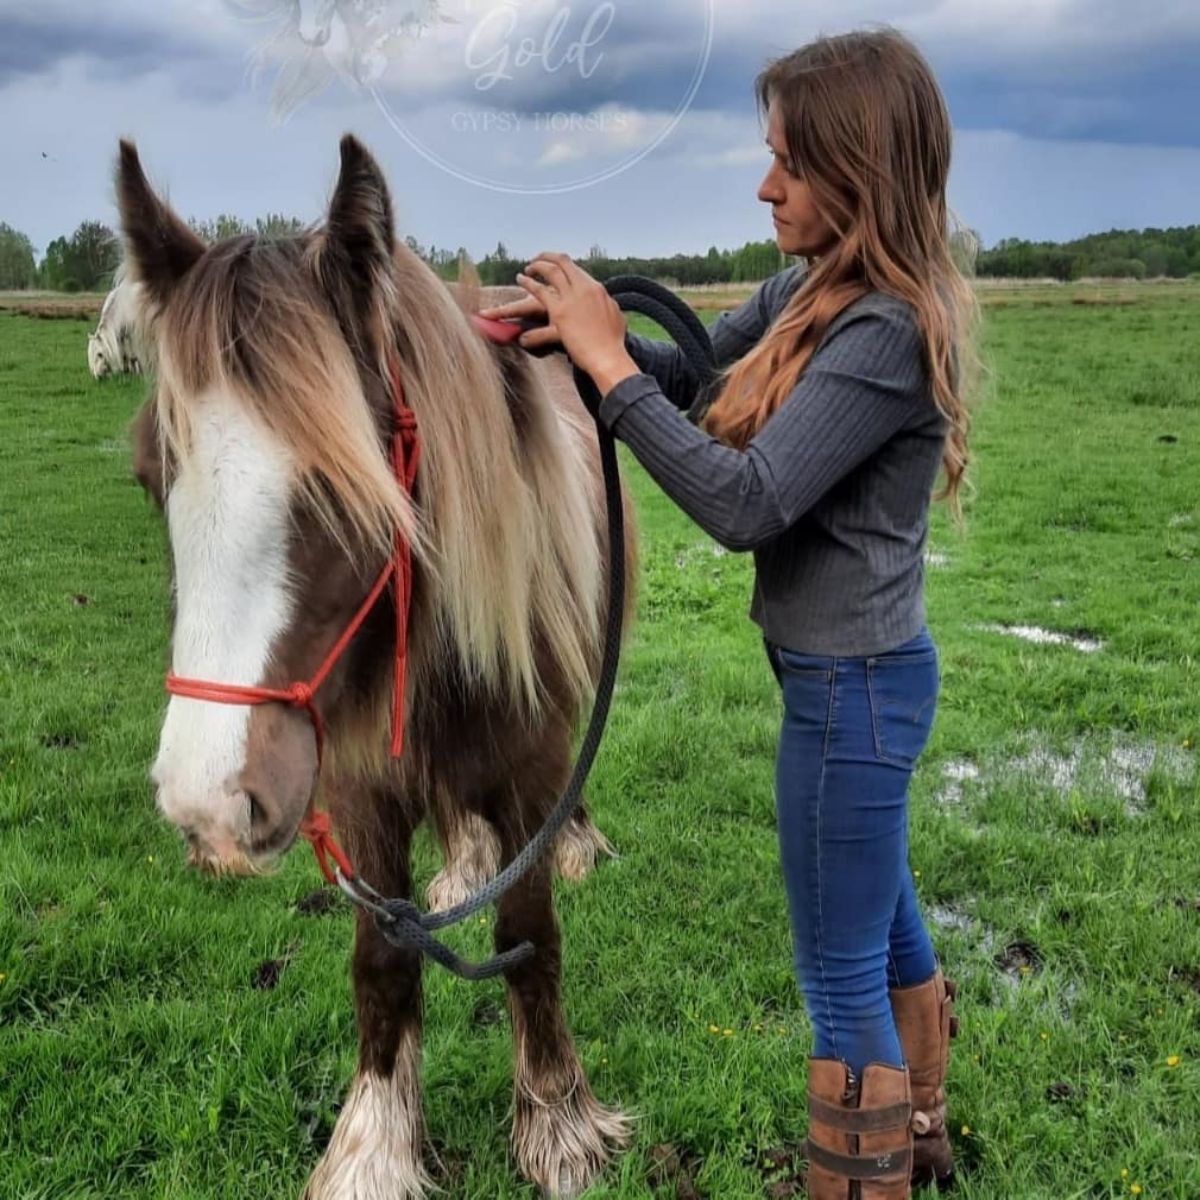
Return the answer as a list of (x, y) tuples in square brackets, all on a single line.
[(498, 268), (1119, 268), (227, 225), (1122, 253), (276, 225), (18, 269), (217, 229), (756, 261), (92, 256), (52, 274)]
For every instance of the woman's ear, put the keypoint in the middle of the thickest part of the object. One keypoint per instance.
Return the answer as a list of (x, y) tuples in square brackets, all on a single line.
[(159, 247)]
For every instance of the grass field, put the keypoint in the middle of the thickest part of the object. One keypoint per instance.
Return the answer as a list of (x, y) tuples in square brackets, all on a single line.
[(168, 1035)]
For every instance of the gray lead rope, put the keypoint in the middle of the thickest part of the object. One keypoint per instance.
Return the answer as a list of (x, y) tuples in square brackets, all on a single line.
[(400, 921)]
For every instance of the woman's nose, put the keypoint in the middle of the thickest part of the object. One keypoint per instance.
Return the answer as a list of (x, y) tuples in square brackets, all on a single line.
[(771, 191)]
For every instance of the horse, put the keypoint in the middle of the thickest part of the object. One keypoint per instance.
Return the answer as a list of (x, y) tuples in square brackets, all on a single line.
[(113, 349), (263, 440)]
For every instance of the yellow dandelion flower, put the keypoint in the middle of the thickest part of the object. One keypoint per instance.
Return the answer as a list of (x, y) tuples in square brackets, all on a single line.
[(1136, 1188), (3, 977), (917, 874), (758, 1029), (714, 1029), (727, 1032), (1045, 1036), (1124, 1172), (149, 858), (1172, 1060), (966, 1131)]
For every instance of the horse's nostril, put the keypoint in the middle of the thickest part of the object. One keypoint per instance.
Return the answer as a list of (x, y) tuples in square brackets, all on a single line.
[(258, 814)]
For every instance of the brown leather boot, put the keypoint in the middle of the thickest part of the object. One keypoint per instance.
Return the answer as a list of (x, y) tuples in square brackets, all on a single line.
[(926, 1022), (859, 1132)]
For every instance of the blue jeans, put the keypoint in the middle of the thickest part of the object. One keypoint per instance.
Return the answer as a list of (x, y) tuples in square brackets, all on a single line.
[(853, 729)]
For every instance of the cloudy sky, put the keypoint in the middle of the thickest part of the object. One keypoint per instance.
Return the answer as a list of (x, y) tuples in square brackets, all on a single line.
[(548, 124)]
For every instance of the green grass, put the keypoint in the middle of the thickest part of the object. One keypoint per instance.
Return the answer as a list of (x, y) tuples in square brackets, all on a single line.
[(139, 1060)]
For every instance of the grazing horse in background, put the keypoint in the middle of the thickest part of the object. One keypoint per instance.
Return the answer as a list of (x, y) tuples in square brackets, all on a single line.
[(114, 348), (264, 441)]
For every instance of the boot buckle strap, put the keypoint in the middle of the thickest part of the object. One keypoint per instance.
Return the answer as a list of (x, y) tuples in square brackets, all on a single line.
[(859, 1120), (859, 1166), (948, 1004)]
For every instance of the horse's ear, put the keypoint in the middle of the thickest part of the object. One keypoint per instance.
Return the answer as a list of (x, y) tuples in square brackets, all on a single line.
[(159, 247), (359, 239)]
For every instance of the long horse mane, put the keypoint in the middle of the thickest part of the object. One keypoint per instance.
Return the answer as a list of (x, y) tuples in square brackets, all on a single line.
[(504, 527)]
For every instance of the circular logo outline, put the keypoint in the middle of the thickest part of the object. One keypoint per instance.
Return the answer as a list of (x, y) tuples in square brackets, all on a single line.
[(493, 185)]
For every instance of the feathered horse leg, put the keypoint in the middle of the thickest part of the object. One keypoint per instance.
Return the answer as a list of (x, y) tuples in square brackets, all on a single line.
[(376, 1152), (562, 1135)]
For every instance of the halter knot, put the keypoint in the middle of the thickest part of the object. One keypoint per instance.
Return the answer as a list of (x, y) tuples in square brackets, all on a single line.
[(317, 828), (301, 694)]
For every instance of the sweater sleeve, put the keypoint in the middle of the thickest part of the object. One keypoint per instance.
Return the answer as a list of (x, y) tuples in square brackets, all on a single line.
[(865, 382), (733, 335)]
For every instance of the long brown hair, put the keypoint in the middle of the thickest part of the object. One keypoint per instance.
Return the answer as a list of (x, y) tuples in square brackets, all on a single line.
[(865, 121)]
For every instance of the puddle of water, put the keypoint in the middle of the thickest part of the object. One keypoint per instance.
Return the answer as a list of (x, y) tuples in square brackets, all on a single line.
[(699, 550), (949, 920), (1123, 768), (956, 773), (1046, 637), (1120, 768)]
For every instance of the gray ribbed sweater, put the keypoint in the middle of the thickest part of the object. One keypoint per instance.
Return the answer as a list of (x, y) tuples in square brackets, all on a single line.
[(833, 493)]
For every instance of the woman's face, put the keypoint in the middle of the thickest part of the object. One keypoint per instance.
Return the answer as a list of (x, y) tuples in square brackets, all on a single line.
[(799, 228)]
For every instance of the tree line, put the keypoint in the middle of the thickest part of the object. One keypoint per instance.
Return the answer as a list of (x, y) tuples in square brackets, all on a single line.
[(752, 262), (85, 261), (1121, 253)]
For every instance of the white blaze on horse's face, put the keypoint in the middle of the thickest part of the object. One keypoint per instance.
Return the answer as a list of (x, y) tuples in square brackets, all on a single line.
[(228, 515)]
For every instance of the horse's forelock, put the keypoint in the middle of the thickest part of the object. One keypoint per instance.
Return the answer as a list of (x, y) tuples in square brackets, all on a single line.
[(508, 530), (250, 319)]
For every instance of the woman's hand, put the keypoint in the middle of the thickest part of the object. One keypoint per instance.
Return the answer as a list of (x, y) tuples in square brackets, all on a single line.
[(580, 314), (538, 340)]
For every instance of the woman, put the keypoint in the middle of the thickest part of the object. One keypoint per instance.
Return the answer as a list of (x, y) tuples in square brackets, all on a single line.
[(841, 401)]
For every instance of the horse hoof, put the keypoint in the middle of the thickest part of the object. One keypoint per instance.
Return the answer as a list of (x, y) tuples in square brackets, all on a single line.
[(577, 849), (563, 1147)]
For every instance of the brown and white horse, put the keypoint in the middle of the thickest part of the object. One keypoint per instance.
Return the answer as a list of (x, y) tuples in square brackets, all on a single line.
[(264, 443)]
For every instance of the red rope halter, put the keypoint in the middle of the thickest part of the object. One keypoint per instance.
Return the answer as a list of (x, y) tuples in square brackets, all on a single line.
[(405, 454)]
